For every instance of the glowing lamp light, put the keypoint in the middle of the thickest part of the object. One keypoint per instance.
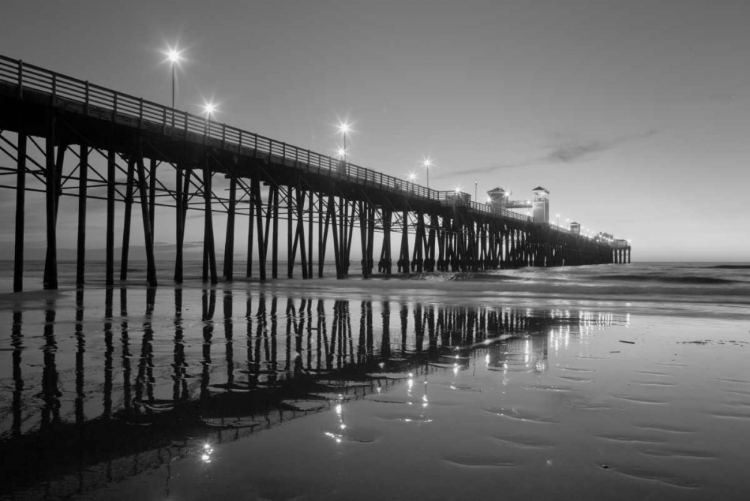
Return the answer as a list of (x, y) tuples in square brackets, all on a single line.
[(341, 152), (344, 128), (209, 109), (427, 163), (412, 176), (174, 56)]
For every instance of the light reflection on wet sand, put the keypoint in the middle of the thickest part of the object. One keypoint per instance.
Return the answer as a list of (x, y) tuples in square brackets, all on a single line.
[(132, 393)]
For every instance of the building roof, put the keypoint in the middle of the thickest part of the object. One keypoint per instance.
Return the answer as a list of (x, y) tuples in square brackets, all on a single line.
[(539, 188)]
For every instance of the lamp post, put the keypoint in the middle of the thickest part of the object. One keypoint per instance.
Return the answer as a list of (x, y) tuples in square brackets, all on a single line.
[(475, 190), (427, 163), (174, 57), (557, 222), (412, 177), (208, 108), (344, 128)]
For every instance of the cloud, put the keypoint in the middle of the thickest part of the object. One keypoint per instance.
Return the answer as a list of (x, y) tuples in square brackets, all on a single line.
[(574, 150), (569, 151)]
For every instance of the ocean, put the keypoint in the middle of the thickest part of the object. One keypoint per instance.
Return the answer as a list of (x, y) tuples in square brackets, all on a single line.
[(592, 382)]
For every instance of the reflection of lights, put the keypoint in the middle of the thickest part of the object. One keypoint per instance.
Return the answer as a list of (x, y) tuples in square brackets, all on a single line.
[(207, 451), (455, 369), (339, 409)]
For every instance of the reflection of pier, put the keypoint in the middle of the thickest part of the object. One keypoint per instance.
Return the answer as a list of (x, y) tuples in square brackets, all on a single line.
[(244, 363), (69, 137)]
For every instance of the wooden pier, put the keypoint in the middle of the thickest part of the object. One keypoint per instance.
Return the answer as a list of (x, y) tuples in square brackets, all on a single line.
[(170, 158)]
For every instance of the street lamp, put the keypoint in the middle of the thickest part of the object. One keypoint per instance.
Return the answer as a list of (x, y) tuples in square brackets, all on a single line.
[(174, 57), (344, 128), (427, 163), (475, 190), (412, 177), (208, 108)]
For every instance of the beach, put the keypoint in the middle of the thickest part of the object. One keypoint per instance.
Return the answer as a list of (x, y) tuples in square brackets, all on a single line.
[(616, 382)]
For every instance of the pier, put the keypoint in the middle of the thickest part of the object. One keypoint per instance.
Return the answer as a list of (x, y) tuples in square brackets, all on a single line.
[(170, 160)]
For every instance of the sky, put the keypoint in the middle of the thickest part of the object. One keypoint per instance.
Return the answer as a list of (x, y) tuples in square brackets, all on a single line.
[(635, 115)]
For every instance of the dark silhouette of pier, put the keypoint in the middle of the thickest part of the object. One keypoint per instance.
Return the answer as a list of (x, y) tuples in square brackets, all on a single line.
[(322, 199)]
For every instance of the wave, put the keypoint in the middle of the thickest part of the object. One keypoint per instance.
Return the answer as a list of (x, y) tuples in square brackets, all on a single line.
[(674, 280)]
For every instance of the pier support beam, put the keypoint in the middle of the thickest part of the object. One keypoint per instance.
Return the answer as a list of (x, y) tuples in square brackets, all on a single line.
[(83, 170), (209, 249), (148, 235), (126, 221), (20, 212), (229, 241), (51, 180), (110, 245)]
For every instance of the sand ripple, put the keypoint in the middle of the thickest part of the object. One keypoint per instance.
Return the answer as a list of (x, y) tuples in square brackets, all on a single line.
[(524, 442), (552, 388), (682, 454), (665, 428), (731, 415), (655, 476), (640, 400), (577, 379), (653, 383), (479, 461), (516, 415), (654, 373), (630, 439)]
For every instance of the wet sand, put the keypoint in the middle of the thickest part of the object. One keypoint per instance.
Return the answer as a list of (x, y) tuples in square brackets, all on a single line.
[(331, 391)]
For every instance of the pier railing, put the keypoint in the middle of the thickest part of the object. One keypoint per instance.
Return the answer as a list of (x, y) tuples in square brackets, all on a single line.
[(122, 108)]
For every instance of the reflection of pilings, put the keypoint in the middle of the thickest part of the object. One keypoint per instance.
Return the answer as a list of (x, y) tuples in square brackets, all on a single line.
[(179, 387), (430, 334), (80, 350), (228, 336), (108, 358), (126, 368), (17, 343), (50, 392), (208, 302)]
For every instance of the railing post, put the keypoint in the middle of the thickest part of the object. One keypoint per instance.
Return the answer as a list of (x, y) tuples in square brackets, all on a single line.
[(223, 135), (20, 78), (186, 124), (114, 107), (54, 88), (239, 147), (164, 121), (140, 113), (86, 105)]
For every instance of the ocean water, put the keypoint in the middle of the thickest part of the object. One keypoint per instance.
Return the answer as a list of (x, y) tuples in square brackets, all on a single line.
[(593, 382)]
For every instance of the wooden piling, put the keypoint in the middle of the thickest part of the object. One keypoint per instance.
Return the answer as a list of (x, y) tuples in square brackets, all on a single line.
[(127, 219), (110, 245), (81, 244), (229, 241), (20, 212), (209, 249), (51, 179), (148, 235)]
